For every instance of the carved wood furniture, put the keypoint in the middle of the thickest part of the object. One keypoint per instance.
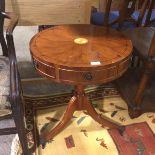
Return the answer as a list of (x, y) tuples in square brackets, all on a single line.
[(143, 40), (80, 55), (11, 103), (121, 18), (149, 21)]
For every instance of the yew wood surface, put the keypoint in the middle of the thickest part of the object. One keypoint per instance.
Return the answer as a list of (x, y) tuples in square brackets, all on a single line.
[(104, 57)]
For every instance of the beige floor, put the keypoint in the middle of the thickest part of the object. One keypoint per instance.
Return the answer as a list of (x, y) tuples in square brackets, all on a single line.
[(88, 145)]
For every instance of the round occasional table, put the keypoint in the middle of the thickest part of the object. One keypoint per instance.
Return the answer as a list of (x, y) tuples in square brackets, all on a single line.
[(80, 55)]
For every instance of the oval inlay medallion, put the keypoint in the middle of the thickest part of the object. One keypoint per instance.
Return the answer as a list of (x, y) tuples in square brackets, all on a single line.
[(81, 41)]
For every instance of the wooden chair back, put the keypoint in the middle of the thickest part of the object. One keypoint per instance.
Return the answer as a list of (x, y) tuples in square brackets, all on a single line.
[(50, 12), (126, 9), (142, 12), (107, 12), (150, 9), (2, 40)]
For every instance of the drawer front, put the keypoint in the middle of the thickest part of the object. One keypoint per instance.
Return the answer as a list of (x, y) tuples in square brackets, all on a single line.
[(76, 76), (94, 76)]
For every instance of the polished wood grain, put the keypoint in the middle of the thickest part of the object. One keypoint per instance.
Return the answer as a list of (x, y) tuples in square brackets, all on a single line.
[(104, 57), (80, 55)]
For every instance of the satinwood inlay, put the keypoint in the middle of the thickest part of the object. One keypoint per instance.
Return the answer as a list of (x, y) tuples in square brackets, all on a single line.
[(81, 41)]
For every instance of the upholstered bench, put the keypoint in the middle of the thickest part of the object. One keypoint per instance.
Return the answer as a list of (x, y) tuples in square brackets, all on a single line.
[(5, 108)]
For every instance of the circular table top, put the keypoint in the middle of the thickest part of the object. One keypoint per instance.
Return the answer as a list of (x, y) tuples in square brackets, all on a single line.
[(80, 46)]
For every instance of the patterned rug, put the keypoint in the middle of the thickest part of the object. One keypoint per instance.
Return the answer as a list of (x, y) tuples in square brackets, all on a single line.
[(85, 136), (138, 137)]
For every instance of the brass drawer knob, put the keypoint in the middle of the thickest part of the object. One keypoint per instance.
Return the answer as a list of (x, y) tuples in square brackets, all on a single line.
[(88, 76)]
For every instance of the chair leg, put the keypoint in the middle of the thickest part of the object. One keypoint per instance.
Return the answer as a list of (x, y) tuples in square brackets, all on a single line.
[(140, 91), (20, 125), (137, 109)]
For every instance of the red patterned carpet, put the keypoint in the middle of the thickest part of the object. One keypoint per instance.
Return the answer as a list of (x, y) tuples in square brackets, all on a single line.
[(137, 139)]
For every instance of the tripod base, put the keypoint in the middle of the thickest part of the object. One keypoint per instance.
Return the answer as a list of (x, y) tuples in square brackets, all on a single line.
[(78, 102)]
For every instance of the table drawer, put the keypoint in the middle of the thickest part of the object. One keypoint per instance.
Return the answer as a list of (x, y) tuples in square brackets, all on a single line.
[(95, 76)]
